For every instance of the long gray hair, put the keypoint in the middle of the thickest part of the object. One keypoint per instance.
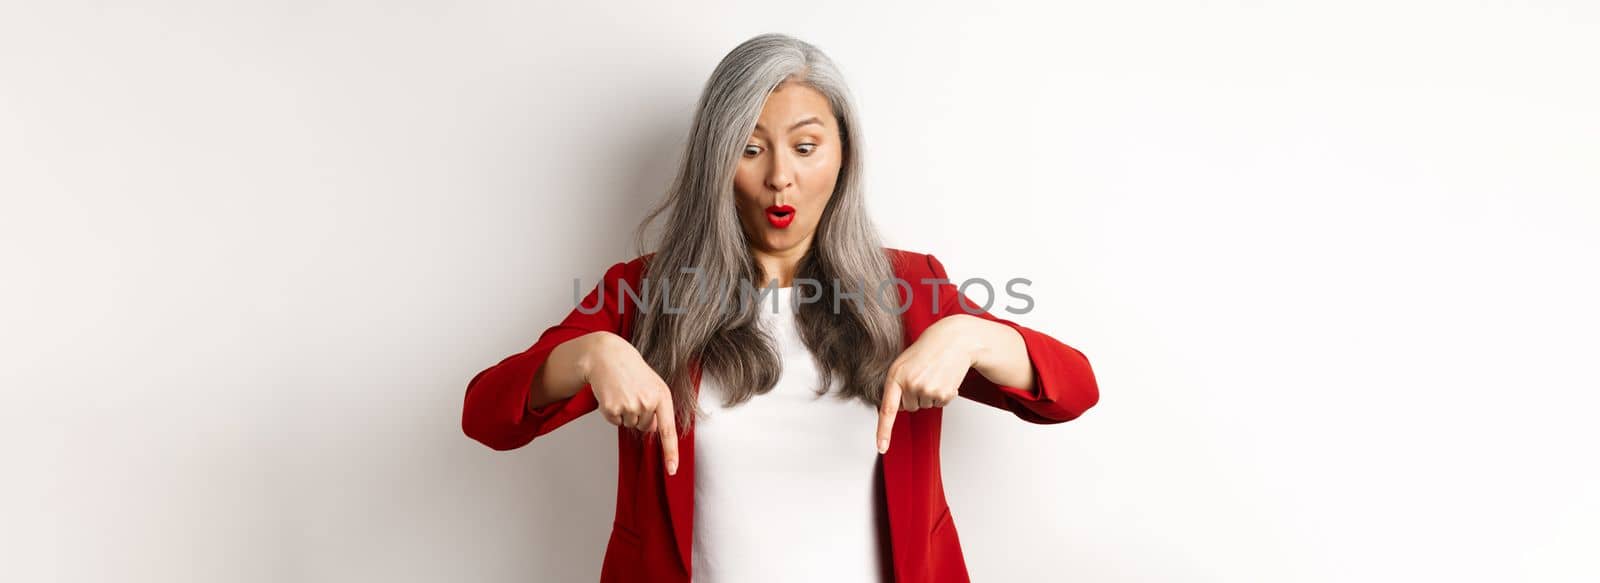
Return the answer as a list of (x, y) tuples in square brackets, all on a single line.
[(702, 234)]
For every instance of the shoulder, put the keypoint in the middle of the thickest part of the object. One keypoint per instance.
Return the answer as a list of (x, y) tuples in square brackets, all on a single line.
[(910, 265), (629, 272), (636, 265)]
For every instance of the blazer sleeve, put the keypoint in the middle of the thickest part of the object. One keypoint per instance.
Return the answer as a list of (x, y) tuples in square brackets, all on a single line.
[(496, 411), (1064, 384)]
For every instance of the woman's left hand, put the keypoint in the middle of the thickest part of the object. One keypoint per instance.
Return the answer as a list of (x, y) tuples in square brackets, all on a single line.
[(929, 372)]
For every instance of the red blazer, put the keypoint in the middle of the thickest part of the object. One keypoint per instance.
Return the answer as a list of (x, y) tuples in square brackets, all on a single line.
[(651, 534)]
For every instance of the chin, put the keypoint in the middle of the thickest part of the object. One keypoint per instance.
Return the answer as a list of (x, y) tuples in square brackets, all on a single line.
[(782, 242), (779, 243)]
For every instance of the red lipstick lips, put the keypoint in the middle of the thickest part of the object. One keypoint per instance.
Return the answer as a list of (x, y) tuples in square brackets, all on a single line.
[(780, 215)]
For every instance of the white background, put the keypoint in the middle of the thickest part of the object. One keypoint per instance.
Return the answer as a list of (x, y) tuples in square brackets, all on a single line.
[(1333, 263)]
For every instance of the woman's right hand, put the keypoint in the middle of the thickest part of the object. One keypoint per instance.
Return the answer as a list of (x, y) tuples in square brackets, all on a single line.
[(630, 393)]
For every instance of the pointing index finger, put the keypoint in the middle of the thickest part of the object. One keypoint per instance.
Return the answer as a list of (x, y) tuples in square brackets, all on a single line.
[(886, 414), (667, 423)]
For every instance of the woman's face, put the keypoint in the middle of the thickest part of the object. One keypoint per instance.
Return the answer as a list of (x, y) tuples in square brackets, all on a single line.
[(791, 159)]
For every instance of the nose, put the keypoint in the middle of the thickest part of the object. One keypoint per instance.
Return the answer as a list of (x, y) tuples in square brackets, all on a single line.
[(778, 177)]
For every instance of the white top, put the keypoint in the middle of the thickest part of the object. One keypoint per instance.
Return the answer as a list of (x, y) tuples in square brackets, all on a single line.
[(784, 483)]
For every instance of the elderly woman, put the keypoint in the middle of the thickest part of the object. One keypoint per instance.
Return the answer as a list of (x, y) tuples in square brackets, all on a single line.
[(737, 461)]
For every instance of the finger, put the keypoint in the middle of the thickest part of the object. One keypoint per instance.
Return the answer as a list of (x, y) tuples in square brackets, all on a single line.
[(886, 414), (909, 402), (667, 422), (652, 427), (644, 420)]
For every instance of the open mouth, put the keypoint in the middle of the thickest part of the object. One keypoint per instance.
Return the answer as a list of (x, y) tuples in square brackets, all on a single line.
[(780, 215)]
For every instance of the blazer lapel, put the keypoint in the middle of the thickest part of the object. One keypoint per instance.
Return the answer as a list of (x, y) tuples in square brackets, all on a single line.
[(680, 487), (897, 472)]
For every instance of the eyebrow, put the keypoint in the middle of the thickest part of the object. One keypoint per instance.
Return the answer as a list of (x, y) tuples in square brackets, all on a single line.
[(812, 119)]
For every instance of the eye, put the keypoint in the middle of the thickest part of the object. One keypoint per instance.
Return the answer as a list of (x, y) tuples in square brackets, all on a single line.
[(812, 148), (748, 150)]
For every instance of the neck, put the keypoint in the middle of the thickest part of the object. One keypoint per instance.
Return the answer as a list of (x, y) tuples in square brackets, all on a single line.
[(780, 265)]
